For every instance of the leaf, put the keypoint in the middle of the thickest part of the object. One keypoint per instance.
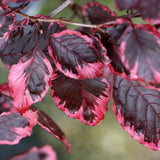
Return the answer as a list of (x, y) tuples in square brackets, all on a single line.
[(44, 153), (85, 100), (76, 55), (138, 111), (140, 52), (143, 7), (14, 127), (117, 67), (46, 123), (112, 33), (98, 13), (24, 37), (7, 21), (5, 98), (28, 80), (109, 39)]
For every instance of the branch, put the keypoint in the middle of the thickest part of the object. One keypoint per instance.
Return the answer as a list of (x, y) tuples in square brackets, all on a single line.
[(35, 19), (60, 8)]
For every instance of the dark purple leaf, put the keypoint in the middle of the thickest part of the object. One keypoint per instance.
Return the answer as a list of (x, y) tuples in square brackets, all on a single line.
[(44, 153), (85, 100), (117, 66), (46, 123), (109, 39), (28, 80), (112, 33), (98, 13), (24, 37), (77, 55), (140, 52), (149, 10), (138, 111), (14, 127), (5, 98), (6, 22)]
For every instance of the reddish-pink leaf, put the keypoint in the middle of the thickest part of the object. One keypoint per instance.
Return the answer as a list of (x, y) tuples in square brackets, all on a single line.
[(98, 13), (85, 100), (44, 153), (138, 111), (50, 126), (149, 10), (24, 37), (6, 21), (76, 55), (140, 52), (5, 98), (14, 127), (28, 80)]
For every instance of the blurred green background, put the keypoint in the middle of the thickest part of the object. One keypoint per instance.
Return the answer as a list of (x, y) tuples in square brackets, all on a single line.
[(106, 141)]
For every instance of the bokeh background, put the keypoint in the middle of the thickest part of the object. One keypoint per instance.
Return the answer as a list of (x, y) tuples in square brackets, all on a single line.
[(106, 141)]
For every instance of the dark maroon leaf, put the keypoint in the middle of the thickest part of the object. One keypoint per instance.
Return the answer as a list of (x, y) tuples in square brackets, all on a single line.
[(85, 100), (117, 66), (28, 80), (6, 21), (76, 55), (149, 10), (25, 36), (44, 153), (14, 127), (98, 13), (109, 39), (50, 126), (138, 111), (140, 52), (108, 75), (113, 32), (5, 98)]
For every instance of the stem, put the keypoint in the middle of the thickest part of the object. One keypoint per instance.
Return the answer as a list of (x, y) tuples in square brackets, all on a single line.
[(60, 8)]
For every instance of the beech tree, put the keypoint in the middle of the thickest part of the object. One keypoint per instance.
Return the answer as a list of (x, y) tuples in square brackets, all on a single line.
[(106, 56)]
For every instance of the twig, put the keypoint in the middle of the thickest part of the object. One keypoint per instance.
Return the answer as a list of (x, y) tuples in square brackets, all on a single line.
[(60, 8)]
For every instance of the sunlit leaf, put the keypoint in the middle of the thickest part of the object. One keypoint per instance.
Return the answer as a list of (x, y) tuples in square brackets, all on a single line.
[(76, 55), (28, 80)]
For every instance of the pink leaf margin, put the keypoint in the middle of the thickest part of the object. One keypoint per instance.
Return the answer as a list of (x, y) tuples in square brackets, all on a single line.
[(22, 98), (100, 107), (133, 72), (22, 132), (92, 70), (133, 134)]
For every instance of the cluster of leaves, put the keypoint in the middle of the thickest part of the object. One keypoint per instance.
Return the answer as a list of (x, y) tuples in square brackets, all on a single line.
[(83, 68)]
